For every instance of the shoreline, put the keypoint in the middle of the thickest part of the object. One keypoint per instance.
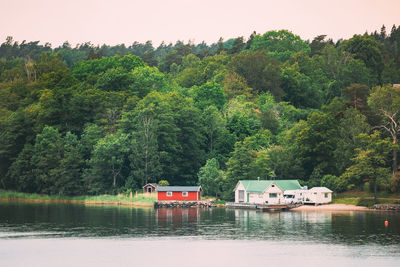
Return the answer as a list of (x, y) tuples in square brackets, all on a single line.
[(332, 207), (74, 201), (325, 207)]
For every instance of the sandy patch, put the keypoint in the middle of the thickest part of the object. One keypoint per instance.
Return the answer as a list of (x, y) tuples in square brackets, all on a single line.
[(333, 207)]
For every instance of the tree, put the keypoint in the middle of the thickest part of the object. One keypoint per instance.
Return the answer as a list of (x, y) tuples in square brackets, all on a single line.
[(283, 163), (69, 172), (20, 172), (385, 102), (315, 141), (213, 126), (147, 79), (235, 85), (144, 160), (90, 69), (46, 159), (237, 46), (370, 161), (357, 95), (248, 160), (350, 126), (209, 94), (15, 131), (279, 44), (342, 70), (210, 178), (180, 134), (318, 44), (299, 88), (261, 71), (115, 79), (367, 49), (106, 163)]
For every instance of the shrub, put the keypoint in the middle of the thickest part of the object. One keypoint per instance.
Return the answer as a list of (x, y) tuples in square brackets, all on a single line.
[(340, 184), (366, 202), (163, 183), (329, 181)]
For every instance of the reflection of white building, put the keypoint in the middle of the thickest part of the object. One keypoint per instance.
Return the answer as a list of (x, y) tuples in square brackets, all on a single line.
[(264, 191), (318, 195)]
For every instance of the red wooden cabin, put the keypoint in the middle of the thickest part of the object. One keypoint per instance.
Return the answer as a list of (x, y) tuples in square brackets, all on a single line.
[(178, 193)]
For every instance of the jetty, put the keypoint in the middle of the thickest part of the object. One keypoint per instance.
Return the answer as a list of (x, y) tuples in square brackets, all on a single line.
[(262, 207)]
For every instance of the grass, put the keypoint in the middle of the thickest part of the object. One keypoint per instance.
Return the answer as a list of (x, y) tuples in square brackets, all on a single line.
[(137, 199), (366, 199), (214, 200)]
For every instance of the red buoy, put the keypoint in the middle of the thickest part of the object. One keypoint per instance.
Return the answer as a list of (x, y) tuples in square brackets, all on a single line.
[(386, 223)]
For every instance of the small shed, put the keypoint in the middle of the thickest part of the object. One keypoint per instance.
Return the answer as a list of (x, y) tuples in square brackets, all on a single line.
[(149, 188), (318, 195), (179, 193)]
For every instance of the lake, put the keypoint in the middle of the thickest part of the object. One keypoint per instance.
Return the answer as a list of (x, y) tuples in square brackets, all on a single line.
[(49, 234)]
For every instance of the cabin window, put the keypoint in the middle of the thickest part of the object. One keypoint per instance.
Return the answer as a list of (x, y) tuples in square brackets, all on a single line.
[(169, 194), (326, 195), (184, 194), (273, 195)]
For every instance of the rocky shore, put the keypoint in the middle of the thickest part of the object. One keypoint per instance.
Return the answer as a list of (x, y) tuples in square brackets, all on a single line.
[(394, 207), (182, 204)]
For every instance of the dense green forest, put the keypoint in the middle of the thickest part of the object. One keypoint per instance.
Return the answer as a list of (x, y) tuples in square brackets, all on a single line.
[(107, 119)]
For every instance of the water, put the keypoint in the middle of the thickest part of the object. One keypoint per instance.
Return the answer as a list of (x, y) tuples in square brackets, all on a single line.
[(38, 234)]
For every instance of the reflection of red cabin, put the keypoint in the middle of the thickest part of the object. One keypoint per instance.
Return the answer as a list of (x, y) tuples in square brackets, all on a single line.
[(178, 193), (176, 216)]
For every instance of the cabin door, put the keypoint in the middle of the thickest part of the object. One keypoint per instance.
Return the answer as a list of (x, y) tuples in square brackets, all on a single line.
[(241, 195)]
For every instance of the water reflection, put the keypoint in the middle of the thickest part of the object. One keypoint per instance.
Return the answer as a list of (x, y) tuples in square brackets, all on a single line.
[(32, 220)]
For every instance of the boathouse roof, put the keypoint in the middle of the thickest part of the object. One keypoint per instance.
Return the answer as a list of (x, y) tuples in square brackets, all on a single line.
[(320, 190), (256, 186), (179, 188)]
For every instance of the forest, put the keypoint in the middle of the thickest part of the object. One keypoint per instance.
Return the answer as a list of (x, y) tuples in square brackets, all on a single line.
[(89, 120)]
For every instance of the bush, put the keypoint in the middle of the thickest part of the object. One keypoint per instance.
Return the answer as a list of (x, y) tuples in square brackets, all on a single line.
[(366, 187), (366, 202), (340, 184), (395, 183), (329, 181), (163, 183)]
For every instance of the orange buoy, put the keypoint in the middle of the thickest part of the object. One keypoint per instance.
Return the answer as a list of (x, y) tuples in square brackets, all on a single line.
[(386, 223)]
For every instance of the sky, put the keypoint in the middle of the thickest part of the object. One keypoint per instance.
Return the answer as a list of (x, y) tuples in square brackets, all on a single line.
[(125, 21)]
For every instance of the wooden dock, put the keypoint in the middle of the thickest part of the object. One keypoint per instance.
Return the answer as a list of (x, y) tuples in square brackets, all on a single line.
[(262, 207)]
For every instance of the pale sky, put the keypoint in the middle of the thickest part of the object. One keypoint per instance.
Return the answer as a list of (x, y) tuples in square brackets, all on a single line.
[(125, 21)]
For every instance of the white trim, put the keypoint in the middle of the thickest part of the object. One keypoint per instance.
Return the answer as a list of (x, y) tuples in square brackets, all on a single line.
[(169, 193), (185, 194)]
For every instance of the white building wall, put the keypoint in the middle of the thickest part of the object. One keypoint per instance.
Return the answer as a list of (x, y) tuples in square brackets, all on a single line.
[(322, 199), (318, 197), (273, 188), (240, 187)]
